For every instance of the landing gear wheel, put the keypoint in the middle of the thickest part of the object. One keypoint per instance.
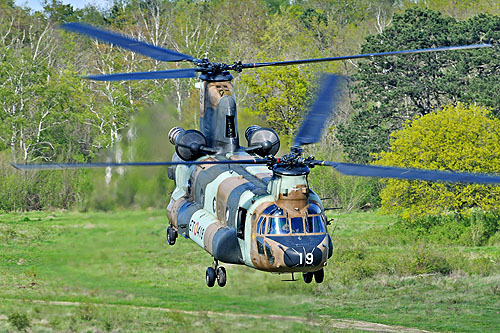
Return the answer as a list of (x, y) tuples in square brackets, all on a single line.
[(319, 276), (221, 276), (171, 235), (210, 276), (308, 277)]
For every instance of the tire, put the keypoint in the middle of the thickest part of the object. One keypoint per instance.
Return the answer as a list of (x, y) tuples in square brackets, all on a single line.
[(308, 277), (171, 236), (319, 276), (221, 276), (210, 277)]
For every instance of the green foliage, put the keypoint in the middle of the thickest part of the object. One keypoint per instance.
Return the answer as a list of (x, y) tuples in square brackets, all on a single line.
[(462, 138), (478, 229), (344, 192), (146, 140), (280, 95), (19, 320), (87, 311), (48, 114), (392, 90), (428, 261)]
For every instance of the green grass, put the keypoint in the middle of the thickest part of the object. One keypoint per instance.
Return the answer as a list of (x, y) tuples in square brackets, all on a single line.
[(118, 273)]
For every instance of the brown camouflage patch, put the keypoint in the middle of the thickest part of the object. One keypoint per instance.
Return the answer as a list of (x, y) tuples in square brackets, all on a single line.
[(209, 236), (173, 210), (295, 202), (223, 192)]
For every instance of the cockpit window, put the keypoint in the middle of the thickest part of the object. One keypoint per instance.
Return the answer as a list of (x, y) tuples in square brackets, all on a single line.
[(313, 209), (297, 225), (273, 210), (278, 223), (260, 224), (277, 226), (315, 224)]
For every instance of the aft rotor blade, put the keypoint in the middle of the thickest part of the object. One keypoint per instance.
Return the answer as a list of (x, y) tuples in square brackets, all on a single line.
[(55, 166), (182, 73), (312, 127), (367, 55), (131, 44), (352, 169)]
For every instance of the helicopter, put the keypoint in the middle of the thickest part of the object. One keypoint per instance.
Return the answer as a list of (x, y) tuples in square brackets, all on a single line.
[(244, 205)]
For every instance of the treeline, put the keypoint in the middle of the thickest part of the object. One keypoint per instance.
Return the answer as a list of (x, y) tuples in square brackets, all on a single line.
[(49, 114)]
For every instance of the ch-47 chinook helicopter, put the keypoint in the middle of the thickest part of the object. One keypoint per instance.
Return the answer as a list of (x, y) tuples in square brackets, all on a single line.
[(244, 205)]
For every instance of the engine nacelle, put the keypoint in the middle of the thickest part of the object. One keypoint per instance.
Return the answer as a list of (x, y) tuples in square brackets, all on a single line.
[(262, 141), (189, 144)]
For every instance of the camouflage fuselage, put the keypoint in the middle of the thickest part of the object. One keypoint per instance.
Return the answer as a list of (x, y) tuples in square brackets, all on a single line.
[(248, 214)]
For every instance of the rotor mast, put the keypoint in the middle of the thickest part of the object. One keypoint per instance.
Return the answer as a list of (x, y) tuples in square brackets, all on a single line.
[(218, 114)]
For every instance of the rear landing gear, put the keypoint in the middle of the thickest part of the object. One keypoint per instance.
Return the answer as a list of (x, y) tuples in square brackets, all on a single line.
[(171, 235), (216, 273)]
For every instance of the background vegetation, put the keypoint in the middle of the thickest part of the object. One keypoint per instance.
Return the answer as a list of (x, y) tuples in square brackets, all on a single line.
[(455, 138), (49, 114)]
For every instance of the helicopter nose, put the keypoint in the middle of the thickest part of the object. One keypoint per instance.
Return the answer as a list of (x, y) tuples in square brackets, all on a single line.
[(303, 257)]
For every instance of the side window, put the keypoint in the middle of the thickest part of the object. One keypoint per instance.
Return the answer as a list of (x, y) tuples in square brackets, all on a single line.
[(242, 216)]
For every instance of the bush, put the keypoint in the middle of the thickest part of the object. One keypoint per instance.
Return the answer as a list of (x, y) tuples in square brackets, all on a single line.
[(345, 192), (19, 320), (36, 190), (427, 261), (459, 138), (477, 228)]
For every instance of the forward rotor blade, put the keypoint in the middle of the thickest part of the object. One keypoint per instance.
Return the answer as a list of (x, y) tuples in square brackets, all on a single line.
[(412, 174), (367, 55), (312, 127), (131, 44), (55, 166), (167, 74)]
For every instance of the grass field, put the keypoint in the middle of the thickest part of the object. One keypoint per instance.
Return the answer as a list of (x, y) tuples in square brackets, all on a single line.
[(67, 271)]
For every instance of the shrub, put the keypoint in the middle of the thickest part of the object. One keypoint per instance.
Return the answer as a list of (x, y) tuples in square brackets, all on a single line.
[(427, 261), (475, 229), (19, 320), (460, 138)]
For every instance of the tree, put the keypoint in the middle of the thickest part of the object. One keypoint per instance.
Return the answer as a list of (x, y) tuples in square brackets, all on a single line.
[(392, 90), (459, 138), (280, 95)]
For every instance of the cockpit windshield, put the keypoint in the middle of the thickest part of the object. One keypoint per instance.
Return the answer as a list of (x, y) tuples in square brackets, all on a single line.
[(278, 226), (297, 225), (278, 223)]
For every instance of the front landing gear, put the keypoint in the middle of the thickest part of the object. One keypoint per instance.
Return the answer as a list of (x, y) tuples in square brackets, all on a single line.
[(171, 235), (216, 273)]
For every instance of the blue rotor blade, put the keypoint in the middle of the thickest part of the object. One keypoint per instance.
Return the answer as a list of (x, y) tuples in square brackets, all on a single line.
[(131, 44), (411, 174), (366, 55), (55, 166), (323, 108), (167, 74)]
